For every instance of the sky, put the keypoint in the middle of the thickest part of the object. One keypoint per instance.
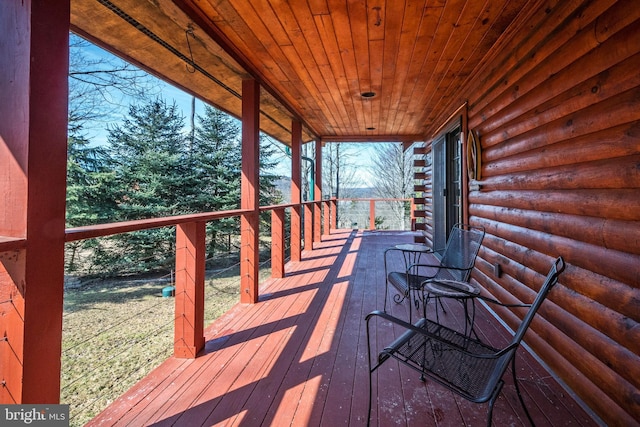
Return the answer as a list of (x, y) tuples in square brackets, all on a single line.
[(98, 134)]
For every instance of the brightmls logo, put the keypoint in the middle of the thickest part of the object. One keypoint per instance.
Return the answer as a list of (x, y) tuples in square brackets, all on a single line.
[(35, 415)]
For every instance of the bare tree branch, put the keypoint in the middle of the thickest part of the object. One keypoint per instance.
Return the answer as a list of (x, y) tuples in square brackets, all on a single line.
[(101, 85)]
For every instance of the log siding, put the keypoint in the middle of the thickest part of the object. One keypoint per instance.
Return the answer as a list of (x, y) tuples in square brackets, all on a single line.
[(557, 107)]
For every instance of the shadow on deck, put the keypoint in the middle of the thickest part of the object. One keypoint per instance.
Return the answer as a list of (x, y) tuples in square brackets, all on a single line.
[(299, 357)]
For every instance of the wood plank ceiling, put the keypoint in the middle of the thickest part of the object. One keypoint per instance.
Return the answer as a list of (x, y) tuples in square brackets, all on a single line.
[(315, 58)]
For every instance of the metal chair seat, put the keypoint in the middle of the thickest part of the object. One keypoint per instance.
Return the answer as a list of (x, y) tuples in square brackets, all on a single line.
[(467, 366), (457, 262)]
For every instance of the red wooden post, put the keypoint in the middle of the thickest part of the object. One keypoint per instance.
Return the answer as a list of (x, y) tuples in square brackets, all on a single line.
[(33, 152), (317, 221), (334, 213), (296, 180), (372, 214), (327, 215), (308, 227), (277, 243), (317, 207), (413, 215), (249, 222), (189, 299)]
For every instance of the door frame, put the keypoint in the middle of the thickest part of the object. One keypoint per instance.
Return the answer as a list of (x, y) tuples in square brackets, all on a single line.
[(447, 183), (457, 120)]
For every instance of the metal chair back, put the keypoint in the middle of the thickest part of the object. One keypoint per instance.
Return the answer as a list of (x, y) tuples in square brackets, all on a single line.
[(460, 254)]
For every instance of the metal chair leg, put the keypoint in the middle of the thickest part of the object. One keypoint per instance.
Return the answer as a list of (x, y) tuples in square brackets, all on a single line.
[(370, 398), (370, 374), (515, 382), (495, 395)]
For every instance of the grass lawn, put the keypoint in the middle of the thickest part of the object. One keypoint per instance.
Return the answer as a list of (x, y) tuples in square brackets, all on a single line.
[(116, 331)]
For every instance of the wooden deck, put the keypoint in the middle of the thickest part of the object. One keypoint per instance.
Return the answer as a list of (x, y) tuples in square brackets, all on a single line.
[(299, 357)]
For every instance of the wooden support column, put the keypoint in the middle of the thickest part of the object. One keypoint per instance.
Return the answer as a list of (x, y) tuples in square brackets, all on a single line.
[(277, 243), (296, 185), (33, 153), (189, 299), (317, 192), (249, 222), (372, 214)]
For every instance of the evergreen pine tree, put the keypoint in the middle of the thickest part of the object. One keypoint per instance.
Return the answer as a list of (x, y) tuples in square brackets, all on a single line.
[(269, 193), (147, 154), (214, 161), (89, 180), (150, 168), (89, 191)]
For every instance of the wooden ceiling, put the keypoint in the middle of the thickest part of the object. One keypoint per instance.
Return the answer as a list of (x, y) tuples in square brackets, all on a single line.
[(315, 58)]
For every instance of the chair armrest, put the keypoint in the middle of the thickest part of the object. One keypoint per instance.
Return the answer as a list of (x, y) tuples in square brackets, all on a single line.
[(404, 250), (415, 269), (446, 267), (391, 248), (471, 294), (392, 319), (400, 249), (502, 304)]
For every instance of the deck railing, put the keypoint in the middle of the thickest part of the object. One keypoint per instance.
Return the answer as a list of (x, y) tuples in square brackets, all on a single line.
[(320, 217), (190, 253), (11, 244), (190, 302)]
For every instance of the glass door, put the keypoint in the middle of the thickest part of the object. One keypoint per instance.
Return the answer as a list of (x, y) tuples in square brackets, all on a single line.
[(447, 186)]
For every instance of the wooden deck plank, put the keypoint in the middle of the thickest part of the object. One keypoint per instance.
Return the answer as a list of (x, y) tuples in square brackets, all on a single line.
[(288, 360), (143, 392), (232, 390), (337, 403), (299, 357), (401, 396), (317, 356), (371, 281), (383, 380), (175, 398), (237, 331)]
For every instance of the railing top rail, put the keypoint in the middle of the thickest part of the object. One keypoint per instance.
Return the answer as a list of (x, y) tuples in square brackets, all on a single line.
[(101, 230), (377, 199), (11, 243), (274, 207)]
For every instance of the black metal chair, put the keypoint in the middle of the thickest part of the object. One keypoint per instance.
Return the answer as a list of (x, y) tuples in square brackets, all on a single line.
[(457, 262), (464, 365)]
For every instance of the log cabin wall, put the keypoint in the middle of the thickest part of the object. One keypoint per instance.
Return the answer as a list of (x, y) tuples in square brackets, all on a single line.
[(557, 107), (423, 202)]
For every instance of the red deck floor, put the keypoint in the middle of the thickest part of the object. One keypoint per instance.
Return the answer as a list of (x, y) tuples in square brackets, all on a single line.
[(299, 357)]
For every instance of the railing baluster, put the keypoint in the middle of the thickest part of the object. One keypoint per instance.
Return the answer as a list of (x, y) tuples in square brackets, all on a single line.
[(317, 221), (277, 243), (308, 227), (327, 216), (334, 212), (372, 214)]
